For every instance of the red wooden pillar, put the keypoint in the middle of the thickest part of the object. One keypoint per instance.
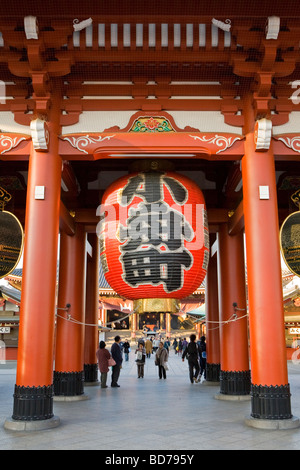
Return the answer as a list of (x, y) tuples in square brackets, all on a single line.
[(235, 373), (270, 389), (33, 397), (212, 325), (69, 373), (91, 313)]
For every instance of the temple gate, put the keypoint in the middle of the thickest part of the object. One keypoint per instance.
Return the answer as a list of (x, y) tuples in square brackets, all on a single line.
[(85, 101)]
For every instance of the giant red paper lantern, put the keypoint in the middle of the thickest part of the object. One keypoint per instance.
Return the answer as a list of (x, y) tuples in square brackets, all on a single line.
[(154, 241)]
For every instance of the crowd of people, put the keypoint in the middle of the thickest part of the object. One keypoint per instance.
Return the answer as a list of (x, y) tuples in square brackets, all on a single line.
[(194, 351)]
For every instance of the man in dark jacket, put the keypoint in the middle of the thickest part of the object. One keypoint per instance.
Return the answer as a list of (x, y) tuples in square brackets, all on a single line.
[(193, 359), (117, 356)]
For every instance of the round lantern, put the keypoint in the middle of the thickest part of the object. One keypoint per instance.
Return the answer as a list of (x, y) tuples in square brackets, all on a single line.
[(290, 242), (154, 240), (11, 242)]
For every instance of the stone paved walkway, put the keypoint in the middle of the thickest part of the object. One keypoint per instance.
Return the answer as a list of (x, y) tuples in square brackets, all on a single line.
[(149, 414)]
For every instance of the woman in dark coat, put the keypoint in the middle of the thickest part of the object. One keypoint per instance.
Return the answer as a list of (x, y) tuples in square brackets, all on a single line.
[(161, 359), (193, 359), (102, 357)]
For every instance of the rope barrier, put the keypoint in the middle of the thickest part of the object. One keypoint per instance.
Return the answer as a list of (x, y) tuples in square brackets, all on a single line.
[(73, 320), (233, 318)]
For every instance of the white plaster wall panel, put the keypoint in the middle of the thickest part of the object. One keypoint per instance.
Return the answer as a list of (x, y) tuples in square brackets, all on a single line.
[(205, 121), (98, 121), (293, 126), (8, 124)]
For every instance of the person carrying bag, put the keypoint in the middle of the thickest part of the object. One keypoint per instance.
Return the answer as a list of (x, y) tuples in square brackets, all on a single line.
[(140, 360), (161, 360)]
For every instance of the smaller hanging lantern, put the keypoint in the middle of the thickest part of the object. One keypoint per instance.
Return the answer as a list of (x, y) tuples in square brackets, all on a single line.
[(290, 242), (11, 237)]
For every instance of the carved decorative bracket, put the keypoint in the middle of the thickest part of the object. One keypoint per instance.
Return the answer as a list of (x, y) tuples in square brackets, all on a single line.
[(291, 141), (143, 143), (85, 143), (40, 134), (11, 141), (222, 141), (262, 134), (224, 25)]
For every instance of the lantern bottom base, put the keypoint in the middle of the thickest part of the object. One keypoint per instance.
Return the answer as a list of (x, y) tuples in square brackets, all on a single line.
[(156, 305)]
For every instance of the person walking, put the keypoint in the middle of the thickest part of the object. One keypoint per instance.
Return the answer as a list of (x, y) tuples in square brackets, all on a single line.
[(155, 344), (202, 352), (117, 356), (167, 344), (140, 360), (193, 358), (149, 346), (103, 355), (184, 344), (180, 347), (161, 359), (126, 349)]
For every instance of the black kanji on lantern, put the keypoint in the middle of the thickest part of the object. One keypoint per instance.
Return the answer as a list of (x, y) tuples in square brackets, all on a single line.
[(154, 267), (149, 186), (153, 251), (155, 224)]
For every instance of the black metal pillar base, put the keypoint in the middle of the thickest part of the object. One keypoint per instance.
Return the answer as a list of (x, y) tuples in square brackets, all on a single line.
[(33, 403), (91, 373), (271, 402), (68, 383), (212, 372), (235, 383)]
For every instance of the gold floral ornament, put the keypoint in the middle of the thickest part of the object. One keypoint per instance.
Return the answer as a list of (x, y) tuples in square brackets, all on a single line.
[(151, 124), (5, 197), (296, 198)]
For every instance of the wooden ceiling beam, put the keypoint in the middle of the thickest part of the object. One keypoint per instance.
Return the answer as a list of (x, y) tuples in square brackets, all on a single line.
[(236, 222), (79, 90), (66, 222), (147, 104), (149, 56), (137, 11)]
